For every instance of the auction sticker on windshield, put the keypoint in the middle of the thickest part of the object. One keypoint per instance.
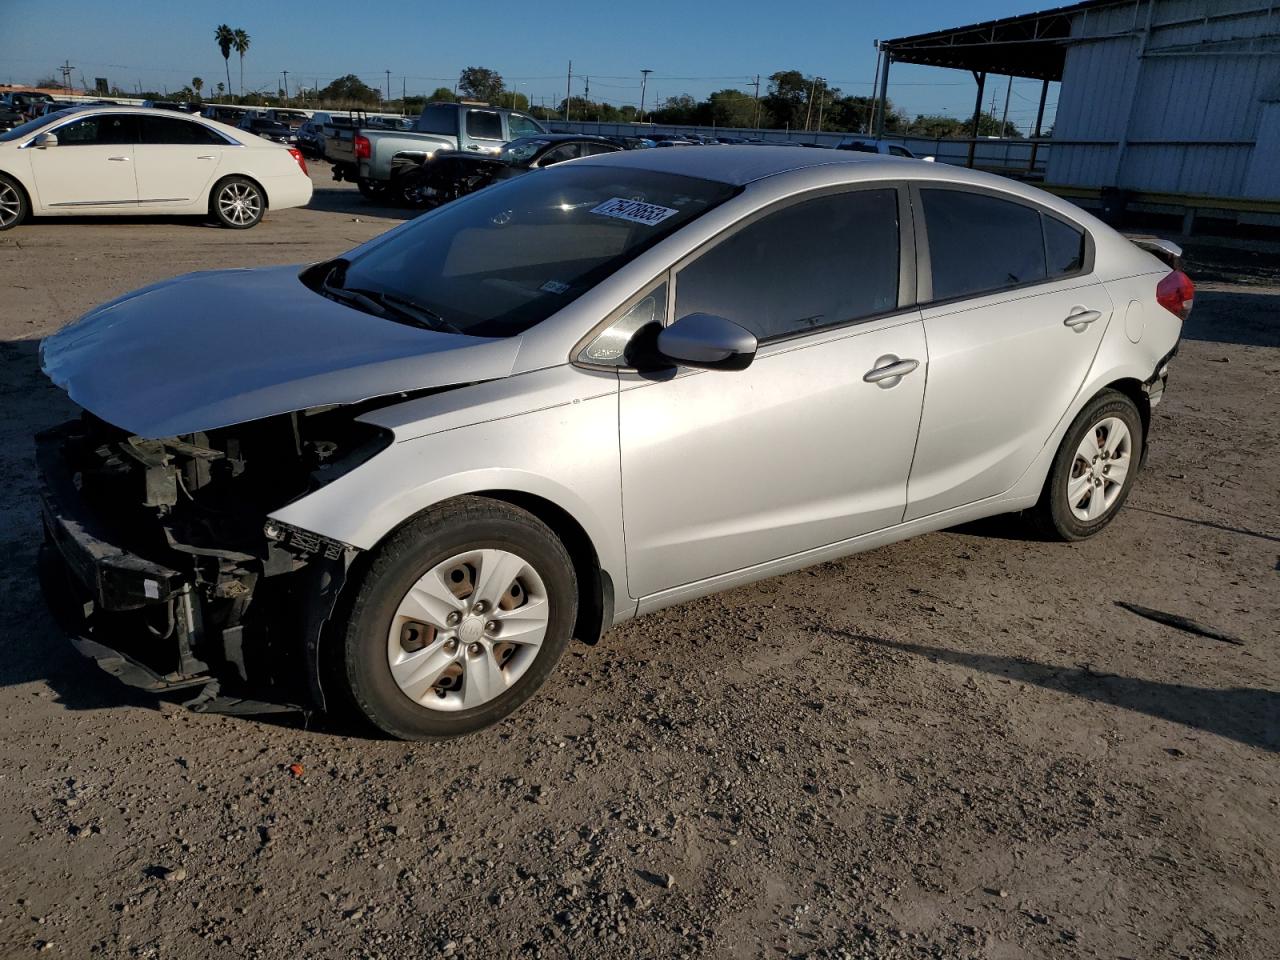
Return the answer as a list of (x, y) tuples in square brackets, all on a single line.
[(620, 208)]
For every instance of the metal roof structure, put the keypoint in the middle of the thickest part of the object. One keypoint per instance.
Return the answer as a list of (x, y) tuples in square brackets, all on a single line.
[(1027, 45)]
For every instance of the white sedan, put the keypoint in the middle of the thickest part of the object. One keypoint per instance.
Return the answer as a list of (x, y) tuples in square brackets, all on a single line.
[(135, 160)]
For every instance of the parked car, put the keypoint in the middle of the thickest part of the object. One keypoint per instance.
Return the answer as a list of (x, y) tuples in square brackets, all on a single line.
[(311, 139), (293, 119), (10, 118), (132, 160), (454, 174), (24, 102), (268, 129), (882, 147), (406, 477), (372, 158), (223, 114)]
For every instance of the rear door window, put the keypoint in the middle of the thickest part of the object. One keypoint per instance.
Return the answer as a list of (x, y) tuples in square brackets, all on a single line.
[(173, 130), (811, 265), (980, 243), (484, 125)]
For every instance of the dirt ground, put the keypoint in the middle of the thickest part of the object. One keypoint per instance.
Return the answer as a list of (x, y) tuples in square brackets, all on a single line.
[(958, 746)]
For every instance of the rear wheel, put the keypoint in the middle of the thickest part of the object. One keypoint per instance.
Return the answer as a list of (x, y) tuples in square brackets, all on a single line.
[(461, 616), (237, 203), (370, 190), (1093, 471), (13, 203)]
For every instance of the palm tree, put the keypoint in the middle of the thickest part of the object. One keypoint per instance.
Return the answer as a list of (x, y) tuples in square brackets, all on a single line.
[(241, 43), (197, 84), (226, 40)]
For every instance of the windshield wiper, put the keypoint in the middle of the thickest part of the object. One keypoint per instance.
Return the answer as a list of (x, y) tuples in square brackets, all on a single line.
[(411, 309), (381, 303)]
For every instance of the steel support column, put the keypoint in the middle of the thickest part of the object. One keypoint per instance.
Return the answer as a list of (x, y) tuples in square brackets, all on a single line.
[(977, 115)]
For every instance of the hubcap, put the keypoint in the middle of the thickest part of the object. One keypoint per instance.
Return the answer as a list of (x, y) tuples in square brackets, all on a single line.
[(10, 204), (468, 630), (240, 203), (1099, 469)]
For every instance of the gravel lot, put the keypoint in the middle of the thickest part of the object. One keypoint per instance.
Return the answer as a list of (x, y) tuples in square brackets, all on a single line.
[(958, 746)]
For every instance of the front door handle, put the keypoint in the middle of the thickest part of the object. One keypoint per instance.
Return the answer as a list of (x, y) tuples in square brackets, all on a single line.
[(1079, 318), (206, 156), (889, 370), (118, 158)]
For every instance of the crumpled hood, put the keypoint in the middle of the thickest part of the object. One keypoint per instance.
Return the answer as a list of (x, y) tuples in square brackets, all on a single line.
[(211, 349)]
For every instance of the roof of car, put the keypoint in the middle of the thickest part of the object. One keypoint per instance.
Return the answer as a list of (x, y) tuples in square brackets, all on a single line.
[(738, 164)]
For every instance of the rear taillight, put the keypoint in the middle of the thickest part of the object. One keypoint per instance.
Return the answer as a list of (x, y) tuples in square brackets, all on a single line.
[(1176, 293), (364, 150), (297, 155)]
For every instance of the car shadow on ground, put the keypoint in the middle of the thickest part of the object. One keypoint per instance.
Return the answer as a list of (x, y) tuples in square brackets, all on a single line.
[(350, 202), (1248, 715), (1247, 319)]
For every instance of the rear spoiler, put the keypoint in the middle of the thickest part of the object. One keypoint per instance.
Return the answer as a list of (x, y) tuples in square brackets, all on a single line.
[(1166, 250)]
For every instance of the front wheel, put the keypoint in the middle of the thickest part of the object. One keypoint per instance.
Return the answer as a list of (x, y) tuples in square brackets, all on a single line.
[(238, 203), (13, 203), (1093, 471), (459, 619)]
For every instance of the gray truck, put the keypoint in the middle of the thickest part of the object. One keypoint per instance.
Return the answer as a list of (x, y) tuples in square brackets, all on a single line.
[(375, 158)]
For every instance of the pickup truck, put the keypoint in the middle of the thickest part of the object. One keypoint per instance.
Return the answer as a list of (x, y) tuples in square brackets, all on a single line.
[(374, 159)]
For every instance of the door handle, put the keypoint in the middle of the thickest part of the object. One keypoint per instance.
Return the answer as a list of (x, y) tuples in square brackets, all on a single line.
[(126, 159), (206, 156), (1079, 318), (889, 370)]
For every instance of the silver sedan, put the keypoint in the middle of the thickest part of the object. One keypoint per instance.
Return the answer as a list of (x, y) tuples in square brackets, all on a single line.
[(405, 478)]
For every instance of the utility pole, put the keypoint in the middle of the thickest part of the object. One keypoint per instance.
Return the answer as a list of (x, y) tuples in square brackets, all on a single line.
[(568, 90), (644, 82), (875, 90), (822, 103), (286, 85), (586, 93), (808, 112), (66, 69), (388, 85), (757, 83), (404, 96)]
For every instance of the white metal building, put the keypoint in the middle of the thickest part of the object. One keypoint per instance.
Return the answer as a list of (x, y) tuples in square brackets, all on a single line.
[(1175, 101)]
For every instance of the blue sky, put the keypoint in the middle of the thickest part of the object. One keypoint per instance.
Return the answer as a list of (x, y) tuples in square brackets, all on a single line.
[(694, 46)]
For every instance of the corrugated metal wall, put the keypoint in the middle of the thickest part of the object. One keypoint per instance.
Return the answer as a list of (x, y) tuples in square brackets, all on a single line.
[(1168, 96)]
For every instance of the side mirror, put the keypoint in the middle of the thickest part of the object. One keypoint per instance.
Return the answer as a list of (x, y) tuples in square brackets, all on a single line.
[(711, 342), (43, 140)]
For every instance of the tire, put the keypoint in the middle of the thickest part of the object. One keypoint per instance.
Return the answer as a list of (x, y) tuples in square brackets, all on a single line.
[(433, 692), (14, 207), (370, 190), (1080, 495), (237, 203)]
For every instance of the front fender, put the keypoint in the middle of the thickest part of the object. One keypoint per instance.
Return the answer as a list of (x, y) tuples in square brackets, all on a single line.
[(561, 446)]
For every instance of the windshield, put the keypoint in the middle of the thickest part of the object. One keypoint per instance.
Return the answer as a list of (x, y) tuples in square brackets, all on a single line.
[(505, 258), (32, 126)]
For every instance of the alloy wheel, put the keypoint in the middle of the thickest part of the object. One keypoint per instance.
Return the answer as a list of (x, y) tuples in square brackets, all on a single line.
[(10, 204), (1098, 472), (240, 203), (467, 630)]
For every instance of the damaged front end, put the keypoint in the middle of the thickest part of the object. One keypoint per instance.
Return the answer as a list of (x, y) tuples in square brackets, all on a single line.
[(162, 562)]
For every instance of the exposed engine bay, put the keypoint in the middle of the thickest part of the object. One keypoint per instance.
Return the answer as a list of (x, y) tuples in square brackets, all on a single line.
[(181, 579)]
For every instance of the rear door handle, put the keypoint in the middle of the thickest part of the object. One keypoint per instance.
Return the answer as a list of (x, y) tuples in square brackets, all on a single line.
[(1079, 318), (206, 156), (889, 370), (118, 158)]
